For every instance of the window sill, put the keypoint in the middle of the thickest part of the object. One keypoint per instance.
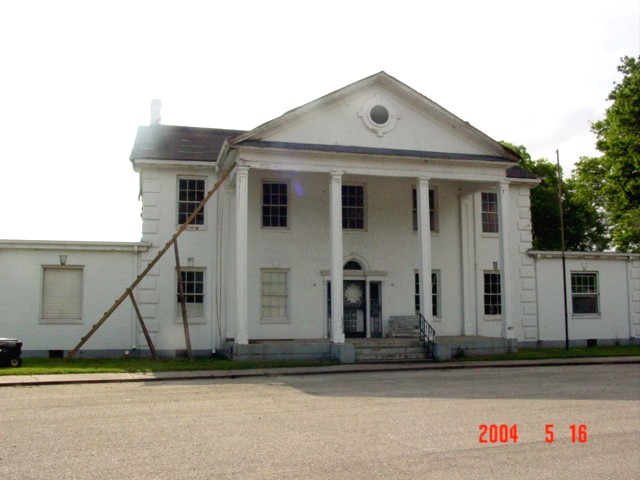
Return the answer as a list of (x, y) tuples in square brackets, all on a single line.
[(195, 228), (276, 229), (61, 321), (586, 316), (493, 318), (275, 321), (490, 234), (192, 320)]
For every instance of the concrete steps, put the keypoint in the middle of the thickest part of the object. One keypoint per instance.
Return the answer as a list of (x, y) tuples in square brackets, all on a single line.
[(388, 350)]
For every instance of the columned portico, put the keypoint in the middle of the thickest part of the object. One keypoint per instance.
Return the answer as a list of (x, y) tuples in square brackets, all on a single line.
[(505, 260), (242, 193), (424, 235), (337, 307)]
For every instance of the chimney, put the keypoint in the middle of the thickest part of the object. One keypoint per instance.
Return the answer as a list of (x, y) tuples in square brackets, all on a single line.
[(156, 105)]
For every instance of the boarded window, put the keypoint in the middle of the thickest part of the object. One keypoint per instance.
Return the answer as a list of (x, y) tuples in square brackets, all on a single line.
[(275, 296), (62, 295)]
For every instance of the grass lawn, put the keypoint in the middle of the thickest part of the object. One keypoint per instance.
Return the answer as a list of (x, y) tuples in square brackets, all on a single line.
[(542, 353), (43, 366)]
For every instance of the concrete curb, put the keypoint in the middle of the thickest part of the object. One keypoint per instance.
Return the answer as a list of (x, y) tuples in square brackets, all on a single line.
[(85, 378)]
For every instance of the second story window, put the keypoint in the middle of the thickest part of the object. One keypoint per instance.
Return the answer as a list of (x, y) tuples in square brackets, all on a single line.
[(353, 207), (490, 212), (191, 192), (275, 204), (433, 212)]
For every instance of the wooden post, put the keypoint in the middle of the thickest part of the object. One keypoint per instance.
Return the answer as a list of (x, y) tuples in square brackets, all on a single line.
[(153, 262), (152, 348), (183, 304)]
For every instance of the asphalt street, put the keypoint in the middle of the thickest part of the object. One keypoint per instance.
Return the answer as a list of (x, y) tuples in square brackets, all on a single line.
[(404, 424)]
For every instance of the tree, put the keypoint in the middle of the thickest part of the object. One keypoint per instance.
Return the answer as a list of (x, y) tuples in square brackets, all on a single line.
[(584, 229), (612, 181)]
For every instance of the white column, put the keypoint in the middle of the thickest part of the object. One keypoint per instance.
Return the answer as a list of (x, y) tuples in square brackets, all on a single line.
[(242, 193), (505, 259), (467, 241), (424, 236), (367, 307), (337, 289)]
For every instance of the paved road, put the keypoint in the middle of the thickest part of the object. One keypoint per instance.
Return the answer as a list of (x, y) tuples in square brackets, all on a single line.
[(417, 424)]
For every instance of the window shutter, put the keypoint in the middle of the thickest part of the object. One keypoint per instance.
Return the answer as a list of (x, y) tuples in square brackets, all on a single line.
[(62, 294)]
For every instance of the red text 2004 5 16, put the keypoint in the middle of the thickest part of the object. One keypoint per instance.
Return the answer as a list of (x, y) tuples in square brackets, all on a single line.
[(494, 433)]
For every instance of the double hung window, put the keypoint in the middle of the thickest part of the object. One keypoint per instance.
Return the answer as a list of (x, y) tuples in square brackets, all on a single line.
[(492, 294), (191, 191), (433, 211), (584, 293), (275, 204), (435, 293), (353, 207), (193, 289), (489, 212)]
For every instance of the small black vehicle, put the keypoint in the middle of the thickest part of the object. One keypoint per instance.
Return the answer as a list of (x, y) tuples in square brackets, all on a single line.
[(10, 350)]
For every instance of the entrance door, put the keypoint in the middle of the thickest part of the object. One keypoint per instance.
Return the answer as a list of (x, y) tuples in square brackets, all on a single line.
[(355, 324)]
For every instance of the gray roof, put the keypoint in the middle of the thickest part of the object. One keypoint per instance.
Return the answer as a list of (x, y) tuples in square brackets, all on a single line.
[(393, 152), (171, 142), (178, 143), (520, 172)]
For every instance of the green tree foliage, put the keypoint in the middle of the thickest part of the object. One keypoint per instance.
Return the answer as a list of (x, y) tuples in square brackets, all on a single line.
[(612, 182), (584, 229)]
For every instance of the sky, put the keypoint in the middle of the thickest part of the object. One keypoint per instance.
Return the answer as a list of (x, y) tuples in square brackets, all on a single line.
[(77, 78)]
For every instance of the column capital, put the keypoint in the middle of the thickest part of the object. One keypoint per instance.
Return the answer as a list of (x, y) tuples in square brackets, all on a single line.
[(242, 169), (336, 174), (423, 181)]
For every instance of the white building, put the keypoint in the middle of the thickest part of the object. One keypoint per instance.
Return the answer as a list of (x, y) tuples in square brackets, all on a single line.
[(341, 205)]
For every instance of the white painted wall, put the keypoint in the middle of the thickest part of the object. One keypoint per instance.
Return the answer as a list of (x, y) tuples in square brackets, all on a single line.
[(388, 245), (156, 294), (619, 296), (339, 122), (107, 270)]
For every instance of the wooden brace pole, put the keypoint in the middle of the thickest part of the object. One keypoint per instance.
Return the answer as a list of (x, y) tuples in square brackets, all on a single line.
[(152, 348), (183, 304), (152, 264)]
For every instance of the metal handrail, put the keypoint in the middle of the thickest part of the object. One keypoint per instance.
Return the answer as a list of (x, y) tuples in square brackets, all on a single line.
[(427, 335)]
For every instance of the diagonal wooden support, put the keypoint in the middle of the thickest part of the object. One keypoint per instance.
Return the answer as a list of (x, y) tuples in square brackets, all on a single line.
[(152, 348), (183, 304), (129, 290)]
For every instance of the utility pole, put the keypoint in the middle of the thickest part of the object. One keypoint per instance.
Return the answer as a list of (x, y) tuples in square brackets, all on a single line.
[(564, 263)]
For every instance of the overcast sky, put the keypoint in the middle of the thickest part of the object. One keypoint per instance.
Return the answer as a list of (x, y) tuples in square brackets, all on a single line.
[(76, 79)]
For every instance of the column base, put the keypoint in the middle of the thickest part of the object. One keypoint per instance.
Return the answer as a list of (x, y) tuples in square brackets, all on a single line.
[(339, 338)]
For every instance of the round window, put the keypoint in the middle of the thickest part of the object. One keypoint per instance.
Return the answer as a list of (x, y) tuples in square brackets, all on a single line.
[(379, 114)]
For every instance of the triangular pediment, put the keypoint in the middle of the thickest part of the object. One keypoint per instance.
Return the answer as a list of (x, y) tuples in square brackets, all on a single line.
[(377, 113)]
